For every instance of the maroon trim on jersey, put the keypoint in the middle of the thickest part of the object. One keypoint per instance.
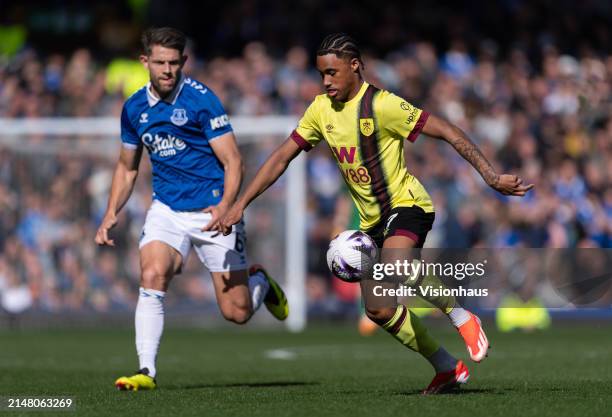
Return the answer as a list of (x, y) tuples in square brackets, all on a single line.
[(370, 154), (301, 142), (400, 321), (418, 126), (406, 233)]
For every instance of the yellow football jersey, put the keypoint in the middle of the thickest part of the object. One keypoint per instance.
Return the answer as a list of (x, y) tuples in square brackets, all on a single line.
[(368, 144)]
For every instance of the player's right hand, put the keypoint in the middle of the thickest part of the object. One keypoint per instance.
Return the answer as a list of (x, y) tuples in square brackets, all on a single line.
[(233, 216), (108, 223)]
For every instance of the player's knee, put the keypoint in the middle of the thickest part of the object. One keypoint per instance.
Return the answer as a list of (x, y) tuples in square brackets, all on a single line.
[(236, 313), (380, 315), (241, 315), (238, 316), (151, 277)]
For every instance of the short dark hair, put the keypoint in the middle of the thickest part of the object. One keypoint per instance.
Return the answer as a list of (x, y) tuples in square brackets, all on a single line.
[(166, 37), (341, 45)]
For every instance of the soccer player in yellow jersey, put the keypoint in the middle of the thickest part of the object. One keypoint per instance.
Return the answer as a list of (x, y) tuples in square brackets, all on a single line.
[(366, 129)]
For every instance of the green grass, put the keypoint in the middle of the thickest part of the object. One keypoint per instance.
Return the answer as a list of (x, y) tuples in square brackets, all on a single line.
[(324, 371)]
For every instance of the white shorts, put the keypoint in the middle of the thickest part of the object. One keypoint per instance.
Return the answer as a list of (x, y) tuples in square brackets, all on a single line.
[(183, 230)]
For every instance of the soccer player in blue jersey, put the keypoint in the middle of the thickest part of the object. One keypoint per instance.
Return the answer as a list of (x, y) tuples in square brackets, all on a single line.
[(197, 171)]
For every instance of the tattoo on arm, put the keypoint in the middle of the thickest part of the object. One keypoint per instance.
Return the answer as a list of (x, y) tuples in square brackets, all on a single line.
[(470, 152)]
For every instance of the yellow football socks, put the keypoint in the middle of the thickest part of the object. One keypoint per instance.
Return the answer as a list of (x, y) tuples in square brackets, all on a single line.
[(407, 328)]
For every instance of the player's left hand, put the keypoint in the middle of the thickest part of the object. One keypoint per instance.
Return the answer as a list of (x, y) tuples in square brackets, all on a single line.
[(511, 185), (217, 212)]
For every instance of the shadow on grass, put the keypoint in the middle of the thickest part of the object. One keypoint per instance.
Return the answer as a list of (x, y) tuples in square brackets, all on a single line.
[(464, 391), (272, 384)]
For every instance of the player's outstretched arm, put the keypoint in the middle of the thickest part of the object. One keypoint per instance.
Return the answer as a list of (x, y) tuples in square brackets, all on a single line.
[(505, 183), (269, 172), (124, 179), (226, 149)]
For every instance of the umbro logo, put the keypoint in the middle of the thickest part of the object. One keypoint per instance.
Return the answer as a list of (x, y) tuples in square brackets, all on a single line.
[(329, 128), (144, 118)]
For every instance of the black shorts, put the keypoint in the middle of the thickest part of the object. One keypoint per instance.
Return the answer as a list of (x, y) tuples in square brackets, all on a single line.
[(412, 222)]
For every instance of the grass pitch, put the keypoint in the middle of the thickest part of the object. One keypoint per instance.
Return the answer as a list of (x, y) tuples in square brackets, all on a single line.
[(325, 371)]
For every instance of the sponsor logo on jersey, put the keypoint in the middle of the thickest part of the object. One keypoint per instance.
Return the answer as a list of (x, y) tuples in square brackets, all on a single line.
[(345, 154), (366, 126), (412, 116), (219, 121), (144, 118), (329, 128), (405, 106), (179, 117), (163, 145)]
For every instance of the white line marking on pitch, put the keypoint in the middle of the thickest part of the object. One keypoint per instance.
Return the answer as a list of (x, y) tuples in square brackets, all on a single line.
[(280, 354)]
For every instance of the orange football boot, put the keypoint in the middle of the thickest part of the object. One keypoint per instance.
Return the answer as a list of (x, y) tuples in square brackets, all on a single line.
[(475, 338), (447, 381)]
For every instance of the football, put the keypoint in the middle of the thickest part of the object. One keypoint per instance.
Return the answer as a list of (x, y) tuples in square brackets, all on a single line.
[(350, 254)]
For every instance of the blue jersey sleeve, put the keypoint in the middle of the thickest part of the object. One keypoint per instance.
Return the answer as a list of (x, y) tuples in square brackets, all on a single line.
[(129, 137), (213, 118)]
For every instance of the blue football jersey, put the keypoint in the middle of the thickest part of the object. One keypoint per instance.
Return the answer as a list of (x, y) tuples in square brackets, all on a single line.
[(177, 131)]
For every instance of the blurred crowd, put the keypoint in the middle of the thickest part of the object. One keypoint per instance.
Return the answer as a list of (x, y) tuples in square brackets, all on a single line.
[(546, 120)]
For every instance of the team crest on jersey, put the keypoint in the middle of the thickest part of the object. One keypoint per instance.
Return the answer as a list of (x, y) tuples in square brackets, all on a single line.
[(366, 126), (179, 117)]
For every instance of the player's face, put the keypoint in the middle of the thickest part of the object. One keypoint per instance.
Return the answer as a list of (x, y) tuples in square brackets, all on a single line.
[(340, 76), (164, 65)]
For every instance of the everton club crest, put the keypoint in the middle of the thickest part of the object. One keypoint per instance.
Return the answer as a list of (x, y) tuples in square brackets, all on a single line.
[(179, 117)]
